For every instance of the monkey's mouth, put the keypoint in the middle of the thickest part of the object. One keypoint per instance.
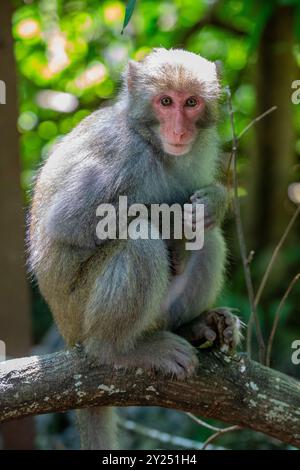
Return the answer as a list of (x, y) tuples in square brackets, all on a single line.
[(177, 149)]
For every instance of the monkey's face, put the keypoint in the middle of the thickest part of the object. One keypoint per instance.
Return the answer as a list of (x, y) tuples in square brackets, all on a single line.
[(177, 113)]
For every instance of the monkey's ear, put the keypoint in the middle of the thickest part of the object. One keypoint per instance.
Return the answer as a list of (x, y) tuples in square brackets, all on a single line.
[(132, 73)]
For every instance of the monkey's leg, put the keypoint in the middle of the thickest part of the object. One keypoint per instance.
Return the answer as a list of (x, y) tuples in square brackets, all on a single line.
[(196, 289), (123, 323), (194, 292)]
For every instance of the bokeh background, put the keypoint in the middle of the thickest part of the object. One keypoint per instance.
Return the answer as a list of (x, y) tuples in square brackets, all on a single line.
[(60, 60)]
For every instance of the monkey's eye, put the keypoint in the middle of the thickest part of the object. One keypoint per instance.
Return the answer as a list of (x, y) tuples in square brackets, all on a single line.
[(191, 102), (166, 101)]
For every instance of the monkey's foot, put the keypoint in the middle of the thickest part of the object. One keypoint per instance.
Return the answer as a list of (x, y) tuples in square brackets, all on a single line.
[(173, 355), (218, 327), (163, 351)]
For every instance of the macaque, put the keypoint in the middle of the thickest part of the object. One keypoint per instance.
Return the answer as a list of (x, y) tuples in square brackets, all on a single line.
[(130, 302)]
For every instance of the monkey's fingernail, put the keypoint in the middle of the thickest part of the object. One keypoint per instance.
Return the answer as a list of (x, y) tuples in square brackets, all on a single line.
[(228, 334), (229, 320), (209, 334)]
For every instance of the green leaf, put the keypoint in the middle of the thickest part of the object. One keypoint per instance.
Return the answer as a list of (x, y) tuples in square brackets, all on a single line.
[(128, 13)]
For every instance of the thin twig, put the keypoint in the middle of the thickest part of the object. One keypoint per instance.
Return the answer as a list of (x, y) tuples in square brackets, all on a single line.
[(164, 437), (255, 120), (203, 423), (274, 256), (218, 431), (277, 317), (241, 237), (218, 434), (228, 171)]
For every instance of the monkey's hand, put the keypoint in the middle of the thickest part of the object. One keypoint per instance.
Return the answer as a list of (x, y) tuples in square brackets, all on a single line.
[(215, 201), (218, 327)]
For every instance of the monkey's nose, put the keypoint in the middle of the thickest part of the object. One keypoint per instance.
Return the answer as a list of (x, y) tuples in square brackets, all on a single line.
[(179, 136), (179, 132)]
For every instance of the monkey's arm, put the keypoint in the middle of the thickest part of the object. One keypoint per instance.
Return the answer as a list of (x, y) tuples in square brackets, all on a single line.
[(71, 217), (197, 287)]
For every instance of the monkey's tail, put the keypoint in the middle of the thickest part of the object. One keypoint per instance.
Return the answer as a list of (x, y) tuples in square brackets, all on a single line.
[(98, 428)]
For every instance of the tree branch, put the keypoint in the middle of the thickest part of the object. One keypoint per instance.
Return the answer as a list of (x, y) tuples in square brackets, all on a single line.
[(234, 390), (210, 19)]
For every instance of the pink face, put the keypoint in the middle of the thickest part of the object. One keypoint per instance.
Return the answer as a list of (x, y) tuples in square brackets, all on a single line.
[(177, 113)]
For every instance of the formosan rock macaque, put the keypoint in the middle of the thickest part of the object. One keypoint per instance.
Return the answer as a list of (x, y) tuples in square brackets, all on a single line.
[(122, 299)]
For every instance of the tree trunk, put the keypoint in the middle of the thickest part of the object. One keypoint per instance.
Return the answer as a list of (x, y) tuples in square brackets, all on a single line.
[(274, 156), (14, 294)]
